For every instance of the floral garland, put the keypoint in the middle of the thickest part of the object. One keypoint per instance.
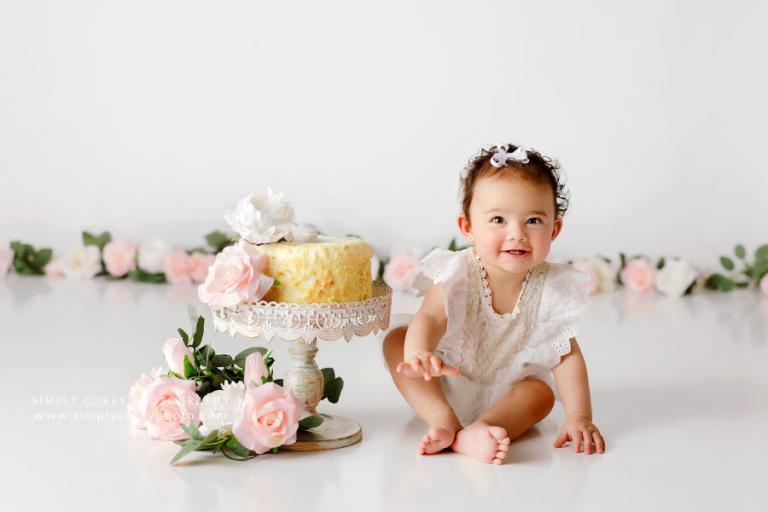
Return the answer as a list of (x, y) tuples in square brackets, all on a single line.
[(673, 277), (154, 262), (214, 402)]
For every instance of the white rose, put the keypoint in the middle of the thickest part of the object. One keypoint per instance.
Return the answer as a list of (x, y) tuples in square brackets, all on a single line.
[(83, 262), (676, 276), (152, 256), (606, 274), (305, 234), (220, 409), (602, 275), (262, 219)]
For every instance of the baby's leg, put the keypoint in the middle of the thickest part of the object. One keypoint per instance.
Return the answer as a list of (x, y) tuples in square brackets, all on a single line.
[(426, 398), (525, 404)]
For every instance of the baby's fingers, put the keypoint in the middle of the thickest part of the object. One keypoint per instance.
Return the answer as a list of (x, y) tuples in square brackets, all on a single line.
[(599, 442), (578, 439), (588, 446), (450, 370), (562, 437)]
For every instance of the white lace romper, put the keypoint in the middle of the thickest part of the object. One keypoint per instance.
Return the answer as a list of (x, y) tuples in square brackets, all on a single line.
[(494, 350)]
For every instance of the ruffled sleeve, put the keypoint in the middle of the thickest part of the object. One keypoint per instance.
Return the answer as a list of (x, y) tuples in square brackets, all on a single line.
[(450, 270), (563, 300)]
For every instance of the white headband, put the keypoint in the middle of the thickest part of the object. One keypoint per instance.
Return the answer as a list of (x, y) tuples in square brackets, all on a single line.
[(501, 158)]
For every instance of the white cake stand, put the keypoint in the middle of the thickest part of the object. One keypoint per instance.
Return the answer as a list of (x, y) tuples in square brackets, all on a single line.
[(302, 325)]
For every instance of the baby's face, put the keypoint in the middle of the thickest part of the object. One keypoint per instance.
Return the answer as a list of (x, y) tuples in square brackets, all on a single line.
[(512, 222)]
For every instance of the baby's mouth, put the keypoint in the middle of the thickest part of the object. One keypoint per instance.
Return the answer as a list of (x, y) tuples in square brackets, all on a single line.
[(516, 252)]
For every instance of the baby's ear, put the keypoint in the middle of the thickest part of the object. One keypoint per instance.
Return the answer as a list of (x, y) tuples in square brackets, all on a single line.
[(557, 228), (465, 226)]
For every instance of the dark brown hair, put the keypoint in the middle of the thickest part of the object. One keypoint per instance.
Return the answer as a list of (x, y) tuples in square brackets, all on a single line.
[(540, 169)]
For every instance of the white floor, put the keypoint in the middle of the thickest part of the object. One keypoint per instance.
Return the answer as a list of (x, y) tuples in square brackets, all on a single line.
[(680, 390)]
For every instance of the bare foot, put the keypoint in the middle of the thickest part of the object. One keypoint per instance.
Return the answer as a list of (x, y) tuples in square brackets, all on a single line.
[(435, 440), (483, 442)]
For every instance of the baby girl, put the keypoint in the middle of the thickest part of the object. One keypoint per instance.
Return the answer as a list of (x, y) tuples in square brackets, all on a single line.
[(474, 362)]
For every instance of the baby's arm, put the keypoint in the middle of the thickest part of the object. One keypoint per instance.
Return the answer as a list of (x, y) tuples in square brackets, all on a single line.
[(424, 333), (573, 385)]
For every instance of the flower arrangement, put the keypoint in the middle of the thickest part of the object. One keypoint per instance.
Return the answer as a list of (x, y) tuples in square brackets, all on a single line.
[(213, 402)]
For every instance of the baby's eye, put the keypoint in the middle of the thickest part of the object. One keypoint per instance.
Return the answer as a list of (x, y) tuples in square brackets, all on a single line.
[(497, 220), (534, 220)]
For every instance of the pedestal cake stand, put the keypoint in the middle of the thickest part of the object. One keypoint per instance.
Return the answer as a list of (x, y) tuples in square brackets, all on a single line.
[(303, 325)]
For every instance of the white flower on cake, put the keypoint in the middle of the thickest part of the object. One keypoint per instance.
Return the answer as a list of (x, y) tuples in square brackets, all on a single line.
[(262, 219), (220, 409), (675, 278)]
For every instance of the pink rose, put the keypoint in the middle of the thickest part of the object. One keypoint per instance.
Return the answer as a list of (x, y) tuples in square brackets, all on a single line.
[(270, 418), (166, 404), (119, 257), (177, 266), (399, 272), (585, 266), (255, 369), (135, 395), (200, 263), (54, 269), (6, 258), (638, 275), (174, 352), (235, 275), (764, 285)]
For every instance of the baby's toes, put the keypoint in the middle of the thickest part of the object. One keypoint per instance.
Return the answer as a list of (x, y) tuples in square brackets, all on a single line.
[(498, 433)]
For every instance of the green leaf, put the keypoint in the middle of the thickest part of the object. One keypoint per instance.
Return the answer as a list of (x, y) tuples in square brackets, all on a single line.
[(720, 283), (240, 358), (89, 239), (727, 263), (742, 284), (328, 374), (277, 283), (452, 245), (332, 389), (199, 330), (190, 446), (140, 276), (42, 257), (191, 431), (240, 450), (279, 382), (99, 241), (184, 336), (218, 240), (761, 253), (221, 360), (740, 252), (206, 353), (311, 422), (189, 370), (660, 264)]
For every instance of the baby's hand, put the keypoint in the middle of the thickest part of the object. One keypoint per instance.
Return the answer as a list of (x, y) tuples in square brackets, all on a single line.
[(427, 365), (583, 433)]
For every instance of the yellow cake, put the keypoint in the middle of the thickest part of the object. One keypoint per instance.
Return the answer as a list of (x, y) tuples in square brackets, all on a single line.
[(327, 270)]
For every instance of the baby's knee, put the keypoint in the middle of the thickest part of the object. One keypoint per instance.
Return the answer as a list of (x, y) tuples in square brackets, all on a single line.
[(544, 396)]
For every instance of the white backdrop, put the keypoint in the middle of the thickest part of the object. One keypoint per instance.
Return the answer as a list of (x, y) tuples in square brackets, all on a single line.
[(150, 118)]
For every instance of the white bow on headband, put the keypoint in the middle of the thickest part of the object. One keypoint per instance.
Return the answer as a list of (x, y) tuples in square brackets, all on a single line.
[(501, 158)]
